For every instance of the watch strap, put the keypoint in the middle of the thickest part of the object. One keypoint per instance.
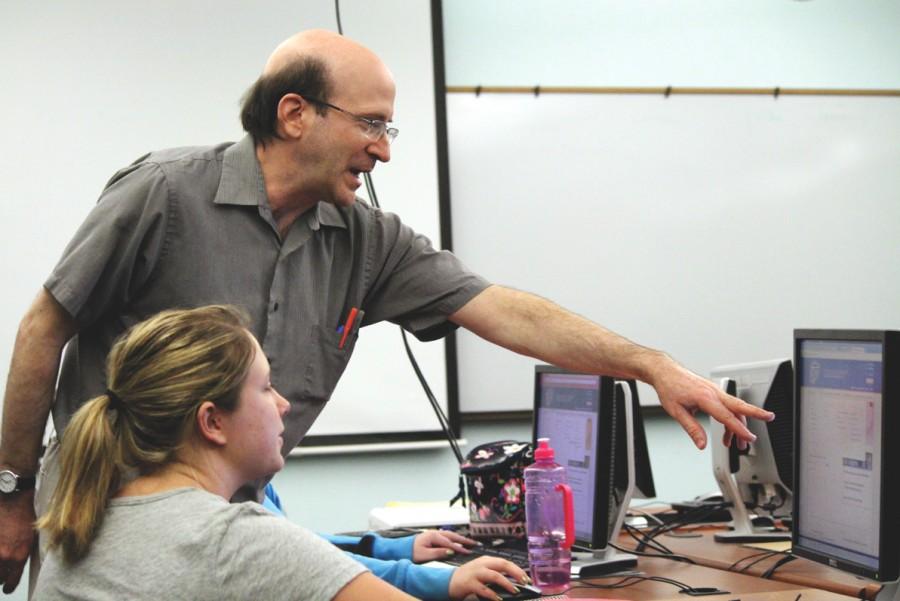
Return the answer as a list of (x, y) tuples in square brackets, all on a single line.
[(25, 483)]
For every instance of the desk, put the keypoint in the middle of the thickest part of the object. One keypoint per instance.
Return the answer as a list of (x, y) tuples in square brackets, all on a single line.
[(707, 552), (740, 586), (805, 593)]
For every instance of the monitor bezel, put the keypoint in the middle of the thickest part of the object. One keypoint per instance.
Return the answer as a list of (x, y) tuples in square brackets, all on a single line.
[(889, 519), (605, 467)]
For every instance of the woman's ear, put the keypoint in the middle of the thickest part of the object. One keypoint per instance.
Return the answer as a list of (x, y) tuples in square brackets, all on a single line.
[(211, 423)]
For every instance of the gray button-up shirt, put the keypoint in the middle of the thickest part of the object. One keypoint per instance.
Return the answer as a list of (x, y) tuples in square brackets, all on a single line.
[(191, 226)]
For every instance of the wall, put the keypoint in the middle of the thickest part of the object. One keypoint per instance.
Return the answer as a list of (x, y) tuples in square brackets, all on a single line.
[(504, 42)]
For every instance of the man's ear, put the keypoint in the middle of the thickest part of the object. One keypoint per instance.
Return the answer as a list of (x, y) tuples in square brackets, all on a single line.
[(210, 423), (292, 108)]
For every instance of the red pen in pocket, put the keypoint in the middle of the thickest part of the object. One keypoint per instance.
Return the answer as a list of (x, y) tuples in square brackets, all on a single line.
[(348, 326)]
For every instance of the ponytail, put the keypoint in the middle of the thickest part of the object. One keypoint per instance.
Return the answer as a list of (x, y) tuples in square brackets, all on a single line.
[(91, 471)]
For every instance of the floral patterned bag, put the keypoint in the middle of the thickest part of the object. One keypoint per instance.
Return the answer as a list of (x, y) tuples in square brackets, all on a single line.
[(495, 480)]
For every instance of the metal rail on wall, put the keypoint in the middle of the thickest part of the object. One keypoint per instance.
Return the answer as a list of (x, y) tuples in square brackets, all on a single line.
[(669, 91)]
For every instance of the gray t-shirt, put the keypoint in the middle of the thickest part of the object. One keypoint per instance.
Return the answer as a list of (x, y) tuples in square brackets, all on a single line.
[(190, 544)]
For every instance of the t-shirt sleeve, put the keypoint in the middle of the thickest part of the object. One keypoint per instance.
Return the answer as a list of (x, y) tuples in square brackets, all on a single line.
[(261, 556), (414, 284), (114, 252)]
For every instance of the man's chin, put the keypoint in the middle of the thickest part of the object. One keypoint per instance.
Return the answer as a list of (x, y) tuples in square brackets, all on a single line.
[(346, 199)]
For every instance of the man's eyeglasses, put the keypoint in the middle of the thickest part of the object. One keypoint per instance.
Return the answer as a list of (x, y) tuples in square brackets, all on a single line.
[(374, 128)]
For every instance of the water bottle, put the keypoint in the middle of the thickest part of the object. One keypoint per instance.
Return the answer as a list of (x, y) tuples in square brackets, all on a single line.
[(549, 521)]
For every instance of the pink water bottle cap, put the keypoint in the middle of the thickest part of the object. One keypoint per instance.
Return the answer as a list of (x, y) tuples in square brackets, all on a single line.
[(544, 451)]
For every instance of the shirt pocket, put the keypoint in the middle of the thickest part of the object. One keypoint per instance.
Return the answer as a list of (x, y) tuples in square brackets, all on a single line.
[(327, 361)]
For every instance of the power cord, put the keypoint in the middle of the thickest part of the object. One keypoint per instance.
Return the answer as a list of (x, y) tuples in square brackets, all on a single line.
[(337, 16), (633, 579), (669, 555), (441, 416), (771, 571), (758, 558), (692, 516)]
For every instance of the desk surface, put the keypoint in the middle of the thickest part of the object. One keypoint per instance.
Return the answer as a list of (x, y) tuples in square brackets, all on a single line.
[(706, 551), (739, 586)]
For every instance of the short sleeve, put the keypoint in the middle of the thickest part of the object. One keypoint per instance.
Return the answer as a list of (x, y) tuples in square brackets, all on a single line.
[(261, 556), (114, 252), (414, 284)]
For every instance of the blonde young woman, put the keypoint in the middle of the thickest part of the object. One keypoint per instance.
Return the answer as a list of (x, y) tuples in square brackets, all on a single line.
[(141, 510)]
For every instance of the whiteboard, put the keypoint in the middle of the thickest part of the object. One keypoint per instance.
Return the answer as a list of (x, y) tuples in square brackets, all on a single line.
[(89, 87), (706, 226)]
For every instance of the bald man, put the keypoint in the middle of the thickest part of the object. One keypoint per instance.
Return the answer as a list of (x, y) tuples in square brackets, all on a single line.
[(272, 224)]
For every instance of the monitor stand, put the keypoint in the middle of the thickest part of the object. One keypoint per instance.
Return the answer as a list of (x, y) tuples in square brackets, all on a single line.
[(601, 562), (890, 591), (742, 528)]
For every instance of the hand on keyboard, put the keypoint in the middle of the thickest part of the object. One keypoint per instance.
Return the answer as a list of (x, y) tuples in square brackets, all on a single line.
[(433, 545)]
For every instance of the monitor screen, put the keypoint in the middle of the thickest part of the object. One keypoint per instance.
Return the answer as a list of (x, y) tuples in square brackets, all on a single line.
[(568, 413), (845, 508), (585, 423)]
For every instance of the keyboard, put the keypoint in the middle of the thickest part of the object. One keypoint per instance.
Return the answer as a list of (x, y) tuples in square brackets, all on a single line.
[(514, 550)]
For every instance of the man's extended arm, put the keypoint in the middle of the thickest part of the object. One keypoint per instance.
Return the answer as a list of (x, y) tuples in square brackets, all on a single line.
[(536, 327), (29, 391)]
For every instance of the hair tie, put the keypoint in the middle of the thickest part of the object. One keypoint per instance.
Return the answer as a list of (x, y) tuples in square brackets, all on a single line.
[(114, 401)]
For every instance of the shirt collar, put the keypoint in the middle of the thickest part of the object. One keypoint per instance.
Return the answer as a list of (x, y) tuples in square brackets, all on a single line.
[(242, 183), (328, 214)]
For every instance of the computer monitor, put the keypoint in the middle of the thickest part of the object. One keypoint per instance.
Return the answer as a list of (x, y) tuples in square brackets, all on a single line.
[(582, 415), (759, 477), (847, 451)]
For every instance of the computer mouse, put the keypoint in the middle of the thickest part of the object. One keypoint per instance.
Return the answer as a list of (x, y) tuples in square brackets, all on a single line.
[(523, 591)]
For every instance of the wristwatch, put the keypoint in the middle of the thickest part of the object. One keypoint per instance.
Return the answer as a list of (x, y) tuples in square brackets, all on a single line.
[(11, 482)]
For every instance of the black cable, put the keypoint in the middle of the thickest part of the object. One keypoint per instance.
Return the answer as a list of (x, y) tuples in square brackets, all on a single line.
[(695, 515), (744, 569), (771, 571), (669, 555), (370, 188), (434, 404), (441, 417), (751, 556), (631, 580), (644, 542), (337, 16)]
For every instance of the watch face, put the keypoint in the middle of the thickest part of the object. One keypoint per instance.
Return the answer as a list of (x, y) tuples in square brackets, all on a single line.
[(7, 481)]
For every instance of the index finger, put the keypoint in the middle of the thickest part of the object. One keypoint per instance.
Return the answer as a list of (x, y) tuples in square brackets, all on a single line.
[(731, 416), (740, 407)]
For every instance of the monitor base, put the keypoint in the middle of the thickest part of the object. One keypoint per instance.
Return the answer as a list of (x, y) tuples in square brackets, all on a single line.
[(601, 563), (889, 592), (756, 535)]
